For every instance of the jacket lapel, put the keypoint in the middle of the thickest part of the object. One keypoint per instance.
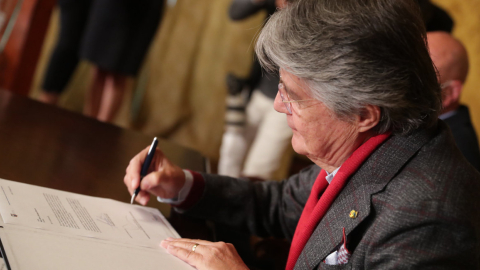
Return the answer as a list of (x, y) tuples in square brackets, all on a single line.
[(370, 178)]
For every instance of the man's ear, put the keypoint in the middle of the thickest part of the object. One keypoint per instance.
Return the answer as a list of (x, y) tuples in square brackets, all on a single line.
[(451, 94), (280, 3), (369, 118)]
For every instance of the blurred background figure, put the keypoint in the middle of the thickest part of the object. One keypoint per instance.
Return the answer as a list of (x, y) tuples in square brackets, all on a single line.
[(436, 19), (114, 35), (451, 59), (256, 136), (180, 69), (65, 57)]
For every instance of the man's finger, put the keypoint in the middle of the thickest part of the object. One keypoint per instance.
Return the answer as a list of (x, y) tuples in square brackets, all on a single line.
[(150, 180), (136, 162), (187, 240), (127, 181), (134, 168), (184, 253), (187, 245), (134, 182), (143, 197)]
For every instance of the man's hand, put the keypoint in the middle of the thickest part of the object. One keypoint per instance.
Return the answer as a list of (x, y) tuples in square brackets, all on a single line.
[(164, 178), (205, 255)]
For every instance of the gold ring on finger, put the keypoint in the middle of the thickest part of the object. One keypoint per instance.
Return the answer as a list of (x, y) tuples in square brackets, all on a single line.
[(195, 247)]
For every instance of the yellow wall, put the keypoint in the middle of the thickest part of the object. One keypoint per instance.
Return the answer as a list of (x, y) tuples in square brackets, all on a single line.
[(184, 74)]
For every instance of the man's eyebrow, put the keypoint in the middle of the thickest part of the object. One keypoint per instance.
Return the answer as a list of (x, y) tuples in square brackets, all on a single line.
[(287, 91)]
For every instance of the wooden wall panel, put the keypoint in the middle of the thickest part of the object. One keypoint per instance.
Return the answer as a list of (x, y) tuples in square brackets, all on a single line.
[(19, 59)]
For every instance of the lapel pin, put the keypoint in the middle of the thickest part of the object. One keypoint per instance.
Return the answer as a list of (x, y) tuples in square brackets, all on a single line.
[(353, 214)]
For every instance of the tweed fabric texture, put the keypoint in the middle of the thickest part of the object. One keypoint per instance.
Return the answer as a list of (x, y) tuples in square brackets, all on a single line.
[(319, 201), (416, 197)]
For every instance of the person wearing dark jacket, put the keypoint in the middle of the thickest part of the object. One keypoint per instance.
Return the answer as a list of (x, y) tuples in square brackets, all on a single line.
[(389, 189), (451, 59)]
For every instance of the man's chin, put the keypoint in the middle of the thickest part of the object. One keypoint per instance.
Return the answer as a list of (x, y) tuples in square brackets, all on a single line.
[(298, 147)]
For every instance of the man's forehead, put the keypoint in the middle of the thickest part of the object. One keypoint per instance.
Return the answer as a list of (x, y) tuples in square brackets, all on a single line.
[(292, 82), (288, 78)]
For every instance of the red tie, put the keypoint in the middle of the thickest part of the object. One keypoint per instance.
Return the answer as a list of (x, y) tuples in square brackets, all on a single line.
[(322, 196)]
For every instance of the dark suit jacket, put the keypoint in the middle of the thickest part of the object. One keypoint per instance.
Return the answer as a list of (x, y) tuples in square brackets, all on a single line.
[(417, 203), (465, 136)]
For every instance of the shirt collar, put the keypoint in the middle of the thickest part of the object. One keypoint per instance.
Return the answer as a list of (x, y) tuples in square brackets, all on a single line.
[(330, 176), (446, 115)]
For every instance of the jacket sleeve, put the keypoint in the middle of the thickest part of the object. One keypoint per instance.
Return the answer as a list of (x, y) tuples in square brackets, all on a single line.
[(264, 208), (424, 232), (425, 244)]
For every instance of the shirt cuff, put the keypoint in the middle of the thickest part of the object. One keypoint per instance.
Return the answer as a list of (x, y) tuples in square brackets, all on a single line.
[(182, 195), (196, 192)]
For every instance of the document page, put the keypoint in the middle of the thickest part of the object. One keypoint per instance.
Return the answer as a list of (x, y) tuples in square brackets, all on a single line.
[(69, 213), (30, 248)]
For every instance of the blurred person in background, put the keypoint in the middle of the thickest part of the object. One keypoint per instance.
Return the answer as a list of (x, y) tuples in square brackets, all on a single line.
[(255, 136), (451, 60), (114, 35), (65, 56)]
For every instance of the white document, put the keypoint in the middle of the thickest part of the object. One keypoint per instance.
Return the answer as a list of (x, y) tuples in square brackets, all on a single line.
[(60, 228)]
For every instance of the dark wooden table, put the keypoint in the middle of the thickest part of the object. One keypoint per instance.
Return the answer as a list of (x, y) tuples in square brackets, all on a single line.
[(51, 147)]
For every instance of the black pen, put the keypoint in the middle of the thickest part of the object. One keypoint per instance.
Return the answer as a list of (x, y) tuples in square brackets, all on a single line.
[(145, 166)]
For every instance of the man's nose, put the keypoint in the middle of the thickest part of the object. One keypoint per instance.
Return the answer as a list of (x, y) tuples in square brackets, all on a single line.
[(278, 105)]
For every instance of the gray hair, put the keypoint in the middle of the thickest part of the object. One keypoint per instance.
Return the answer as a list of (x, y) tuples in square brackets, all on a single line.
[(353, 53)]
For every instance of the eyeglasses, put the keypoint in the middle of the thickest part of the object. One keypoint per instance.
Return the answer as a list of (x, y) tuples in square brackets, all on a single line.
[(286, 99), (446, 84)]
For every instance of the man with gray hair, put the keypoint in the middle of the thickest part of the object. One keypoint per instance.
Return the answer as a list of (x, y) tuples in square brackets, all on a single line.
[(389, 188), (451, 59)]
